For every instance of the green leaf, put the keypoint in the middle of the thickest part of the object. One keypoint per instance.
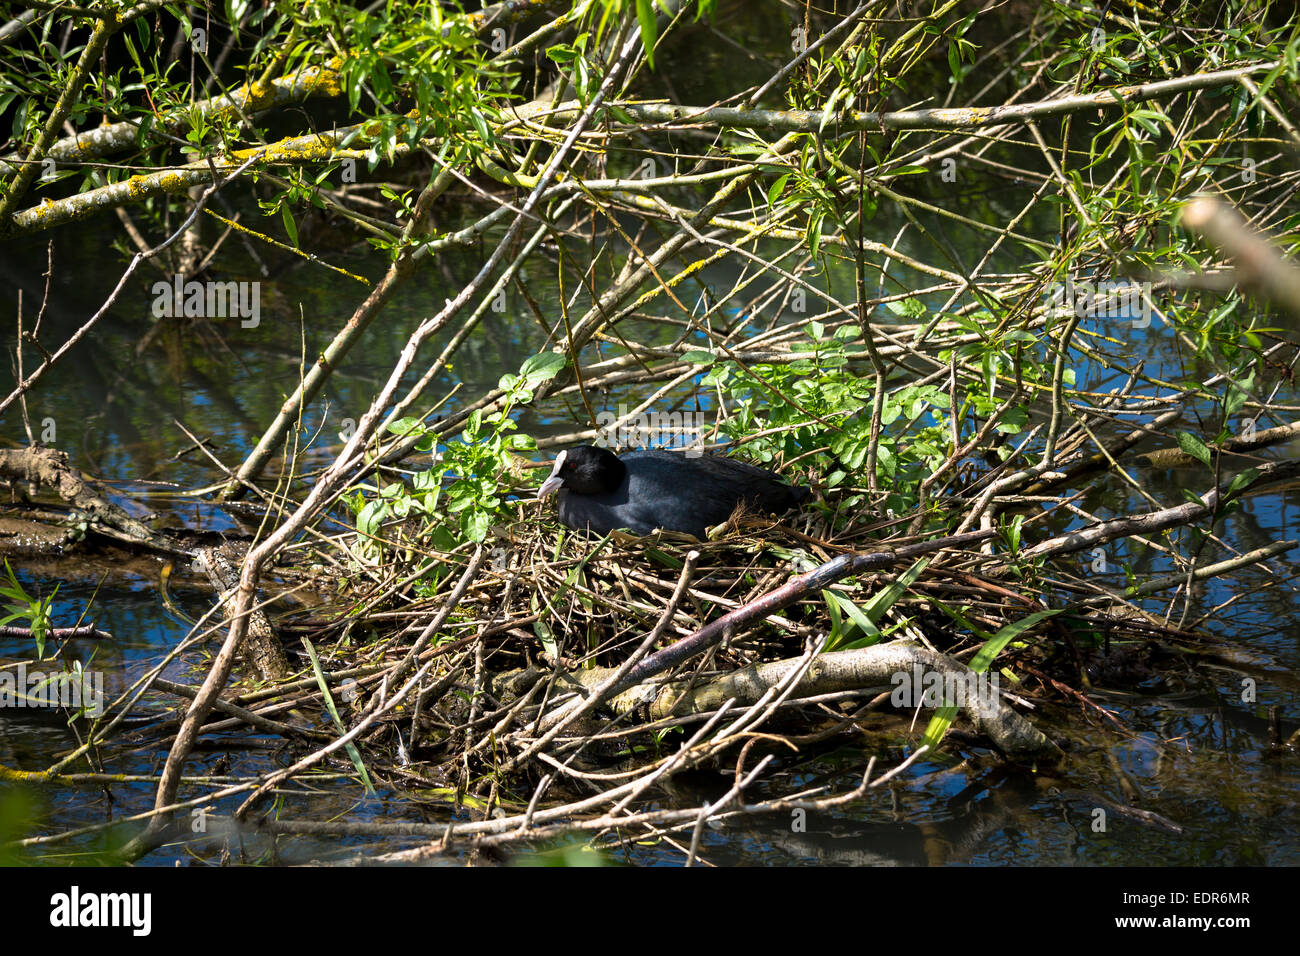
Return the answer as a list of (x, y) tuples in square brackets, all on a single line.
[(541, 367), (546, 636), (700, 357), (475, 525), (371, 517), (883, 600), (561, 53), (943, 717), (829, 111), (1145, 119), (1193, 446), (353, 753), (645, 15), (407, 426), (871, 634), (776, 189), (472, 426), (289, 226), (994, 646), (837, 622), (1238, 392), (815, 232), (480, 125), (1012, 533), (1240, 481)]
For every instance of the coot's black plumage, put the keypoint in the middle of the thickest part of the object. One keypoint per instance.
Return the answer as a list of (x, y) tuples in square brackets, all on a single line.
[(645, 490)]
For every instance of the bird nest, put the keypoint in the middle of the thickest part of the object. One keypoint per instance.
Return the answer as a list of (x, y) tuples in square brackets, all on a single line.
[(551, 683)]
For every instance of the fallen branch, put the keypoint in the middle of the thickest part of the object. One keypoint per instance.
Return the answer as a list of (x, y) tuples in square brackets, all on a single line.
[(48, 467), (262, 649), (84, 632), (1154, 521), (793, 590), (1177, 458), (867, 668)]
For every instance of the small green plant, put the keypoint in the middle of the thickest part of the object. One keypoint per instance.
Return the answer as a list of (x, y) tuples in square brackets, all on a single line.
[(36, 610), (820, 401), (462, 493)]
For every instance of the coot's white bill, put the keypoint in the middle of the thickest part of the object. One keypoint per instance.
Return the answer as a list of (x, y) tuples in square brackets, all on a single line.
[(552, 484)]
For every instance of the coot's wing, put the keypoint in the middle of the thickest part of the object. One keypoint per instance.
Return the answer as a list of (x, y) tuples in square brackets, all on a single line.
[(761, 488), (678, 493), (604, 513)]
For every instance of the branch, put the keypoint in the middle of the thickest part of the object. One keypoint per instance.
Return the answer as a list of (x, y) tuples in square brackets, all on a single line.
[(1261, 266), (966, 117)]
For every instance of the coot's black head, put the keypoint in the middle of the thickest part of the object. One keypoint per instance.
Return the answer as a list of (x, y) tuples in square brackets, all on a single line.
[(586, 470)]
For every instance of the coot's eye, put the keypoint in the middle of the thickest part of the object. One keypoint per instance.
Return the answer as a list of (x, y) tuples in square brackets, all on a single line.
[(569, 466)]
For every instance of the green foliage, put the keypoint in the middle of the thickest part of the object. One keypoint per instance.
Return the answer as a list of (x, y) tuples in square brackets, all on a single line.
[(566, 855), (416, 73), (647, 21), (822, 400), (1193, 446), (34, 610), (353, 753), (19, 813), (847, 618), (571, 58), (462, 493), (994, 646)]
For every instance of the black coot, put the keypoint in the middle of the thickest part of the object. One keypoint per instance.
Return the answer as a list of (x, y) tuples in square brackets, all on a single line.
[(645, 490)]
